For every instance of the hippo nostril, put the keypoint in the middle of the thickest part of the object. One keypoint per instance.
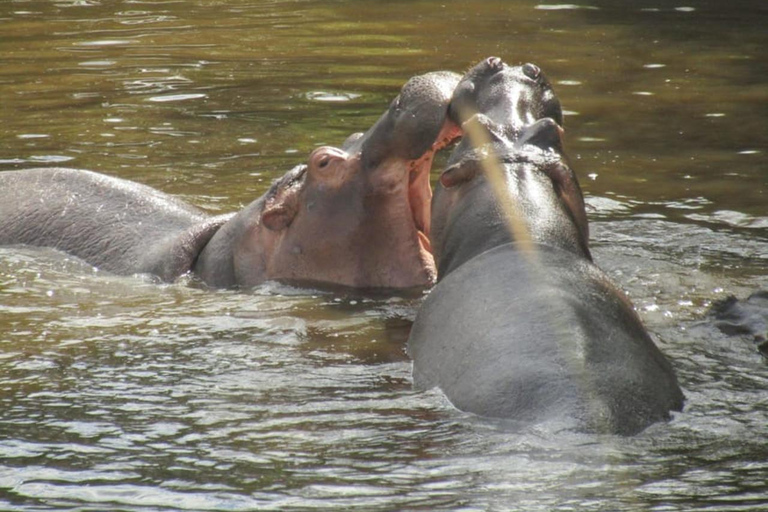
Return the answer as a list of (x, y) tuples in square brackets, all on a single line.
[(532, 71), (494, 63)]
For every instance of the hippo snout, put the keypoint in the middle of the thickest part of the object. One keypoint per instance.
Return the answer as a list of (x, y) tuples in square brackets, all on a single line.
[(494, 64)]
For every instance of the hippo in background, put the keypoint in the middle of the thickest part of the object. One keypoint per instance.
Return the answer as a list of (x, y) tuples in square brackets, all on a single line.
[(746, 317), (355, 216), (528, 328)]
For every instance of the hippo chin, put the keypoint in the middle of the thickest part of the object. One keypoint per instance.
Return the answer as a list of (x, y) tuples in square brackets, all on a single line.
[(355, 216), (529, 329)]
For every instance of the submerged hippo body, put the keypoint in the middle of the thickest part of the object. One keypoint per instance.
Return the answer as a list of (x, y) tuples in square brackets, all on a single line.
[(531, 330), (355, 217), (746, 317), (116, 225)]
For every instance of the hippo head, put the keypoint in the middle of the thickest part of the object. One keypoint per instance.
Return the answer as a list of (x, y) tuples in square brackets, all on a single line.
[(358, 215), (510, 96), (512, 155), (513, 120), (535, 186)]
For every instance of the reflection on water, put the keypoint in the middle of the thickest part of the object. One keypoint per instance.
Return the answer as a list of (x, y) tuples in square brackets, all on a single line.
[(118, 393)]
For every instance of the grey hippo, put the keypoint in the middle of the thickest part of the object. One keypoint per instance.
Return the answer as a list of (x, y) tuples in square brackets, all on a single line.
[(746, 317), (354, 216), (526, 327)]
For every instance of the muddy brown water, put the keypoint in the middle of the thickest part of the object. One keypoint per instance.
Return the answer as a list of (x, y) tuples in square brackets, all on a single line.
[(120, 394)]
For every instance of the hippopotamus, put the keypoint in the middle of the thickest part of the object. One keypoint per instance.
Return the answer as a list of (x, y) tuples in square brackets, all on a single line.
[(747, 317), (512, 97), (526, 327), (352, 216)]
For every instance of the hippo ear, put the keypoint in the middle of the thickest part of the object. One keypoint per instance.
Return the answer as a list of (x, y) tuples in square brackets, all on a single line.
[(459, 173), (353, 141), (567, 188), (280, 210)]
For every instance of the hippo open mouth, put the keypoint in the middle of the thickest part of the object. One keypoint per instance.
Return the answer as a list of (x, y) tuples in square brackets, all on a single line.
[(420, 190), (419, 196), (366, 205)]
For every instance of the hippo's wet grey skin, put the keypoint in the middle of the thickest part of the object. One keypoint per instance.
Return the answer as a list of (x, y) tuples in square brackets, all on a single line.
[(116, 225), (510, 96), (747, 317), (531, 335), (412, 123), (550, 199), (355, 218)]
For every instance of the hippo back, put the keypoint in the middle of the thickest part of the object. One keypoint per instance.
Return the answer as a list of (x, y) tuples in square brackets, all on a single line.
[(114, 224), (541, 337)]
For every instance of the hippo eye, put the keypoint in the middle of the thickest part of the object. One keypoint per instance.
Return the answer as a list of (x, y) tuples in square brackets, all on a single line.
[(532, 71), (323, 162)]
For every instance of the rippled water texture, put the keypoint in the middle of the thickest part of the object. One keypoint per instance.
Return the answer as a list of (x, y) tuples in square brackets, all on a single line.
[(120, 394)]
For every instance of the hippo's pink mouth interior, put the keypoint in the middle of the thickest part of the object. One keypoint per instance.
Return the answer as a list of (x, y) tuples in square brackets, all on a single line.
[(420, 191), (419, 198)]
